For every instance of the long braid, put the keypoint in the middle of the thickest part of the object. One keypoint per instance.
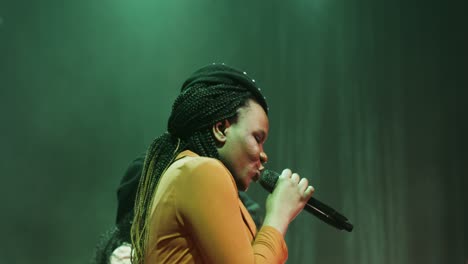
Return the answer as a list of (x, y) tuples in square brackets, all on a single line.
[(212, 94), (160, 154)]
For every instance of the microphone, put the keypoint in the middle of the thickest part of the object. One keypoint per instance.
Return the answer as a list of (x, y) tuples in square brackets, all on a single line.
[(325, 213)]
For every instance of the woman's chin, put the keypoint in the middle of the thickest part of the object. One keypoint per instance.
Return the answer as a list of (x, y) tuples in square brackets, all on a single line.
[(243, 185)]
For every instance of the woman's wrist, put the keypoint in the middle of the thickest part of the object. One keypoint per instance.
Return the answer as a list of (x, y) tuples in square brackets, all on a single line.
[(277, 223)]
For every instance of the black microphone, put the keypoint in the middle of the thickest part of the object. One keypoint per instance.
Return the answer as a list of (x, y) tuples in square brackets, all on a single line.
[(325, 213)]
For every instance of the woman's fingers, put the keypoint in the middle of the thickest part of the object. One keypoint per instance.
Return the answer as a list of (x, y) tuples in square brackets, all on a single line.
[(295, 178), (302, 183), (309, 191), (286, 173), (305, 188)]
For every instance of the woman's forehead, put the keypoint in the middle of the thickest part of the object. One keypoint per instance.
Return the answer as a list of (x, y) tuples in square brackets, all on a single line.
[(254, 115)]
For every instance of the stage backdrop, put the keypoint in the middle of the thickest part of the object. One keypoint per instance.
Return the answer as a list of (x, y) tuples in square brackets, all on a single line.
[(367, 101)]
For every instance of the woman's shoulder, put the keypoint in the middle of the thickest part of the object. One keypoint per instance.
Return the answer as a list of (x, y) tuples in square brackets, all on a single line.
[(191, 169), (191, 166), (203, 165)]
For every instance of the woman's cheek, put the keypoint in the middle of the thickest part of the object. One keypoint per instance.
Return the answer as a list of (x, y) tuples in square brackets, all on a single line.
[(254, 151)]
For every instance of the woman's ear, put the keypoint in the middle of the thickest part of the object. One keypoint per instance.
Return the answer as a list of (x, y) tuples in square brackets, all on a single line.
[(219, 131)]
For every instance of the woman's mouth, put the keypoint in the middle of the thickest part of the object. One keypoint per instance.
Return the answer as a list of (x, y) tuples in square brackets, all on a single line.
[(256, 177)]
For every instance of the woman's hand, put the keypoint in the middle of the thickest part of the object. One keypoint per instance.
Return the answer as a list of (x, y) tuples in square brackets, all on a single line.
[(287, 200)]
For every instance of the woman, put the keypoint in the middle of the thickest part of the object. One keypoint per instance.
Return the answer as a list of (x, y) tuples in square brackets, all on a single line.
[(187, 209), (114, 246)]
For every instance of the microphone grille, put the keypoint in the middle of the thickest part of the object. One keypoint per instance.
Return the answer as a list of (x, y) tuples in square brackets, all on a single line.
[(268, 179)]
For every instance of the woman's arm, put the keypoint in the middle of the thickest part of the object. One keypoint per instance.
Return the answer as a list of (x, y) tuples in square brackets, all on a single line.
[(209, 205)]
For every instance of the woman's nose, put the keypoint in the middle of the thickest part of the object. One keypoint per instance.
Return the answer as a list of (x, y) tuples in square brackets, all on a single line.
[(263, 159)]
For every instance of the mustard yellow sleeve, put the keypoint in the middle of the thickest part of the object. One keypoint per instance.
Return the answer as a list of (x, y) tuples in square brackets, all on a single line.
[(209, 206), (268, 243)]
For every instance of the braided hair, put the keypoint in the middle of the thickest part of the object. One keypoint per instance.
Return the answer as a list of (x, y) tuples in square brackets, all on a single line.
[(213, 93)]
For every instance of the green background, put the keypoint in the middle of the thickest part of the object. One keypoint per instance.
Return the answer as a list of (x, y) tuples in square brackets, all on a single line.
[(367, 100)]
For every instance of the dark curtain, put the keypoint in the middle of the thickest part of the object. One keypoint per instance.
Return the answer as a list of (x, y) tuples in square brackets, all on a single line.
[(367, 100)]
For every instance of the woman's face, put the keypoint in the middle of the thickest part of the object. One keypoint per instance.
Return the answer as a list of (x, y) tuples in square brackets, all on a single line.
[(241, 144)]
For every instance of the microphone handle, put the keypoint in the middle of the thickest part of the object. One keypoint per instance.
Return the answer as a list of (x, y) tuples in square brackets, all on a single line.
[(328, 215), (320, 210)]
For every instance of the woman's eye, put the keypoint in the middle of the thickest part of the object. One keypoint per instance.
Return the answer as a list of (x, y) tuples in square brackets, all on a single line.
[(258, 139)]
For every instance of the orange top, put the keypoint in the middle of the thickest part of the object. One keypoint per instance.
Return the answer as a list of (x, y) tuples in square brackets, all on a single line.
[(198, 218)]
